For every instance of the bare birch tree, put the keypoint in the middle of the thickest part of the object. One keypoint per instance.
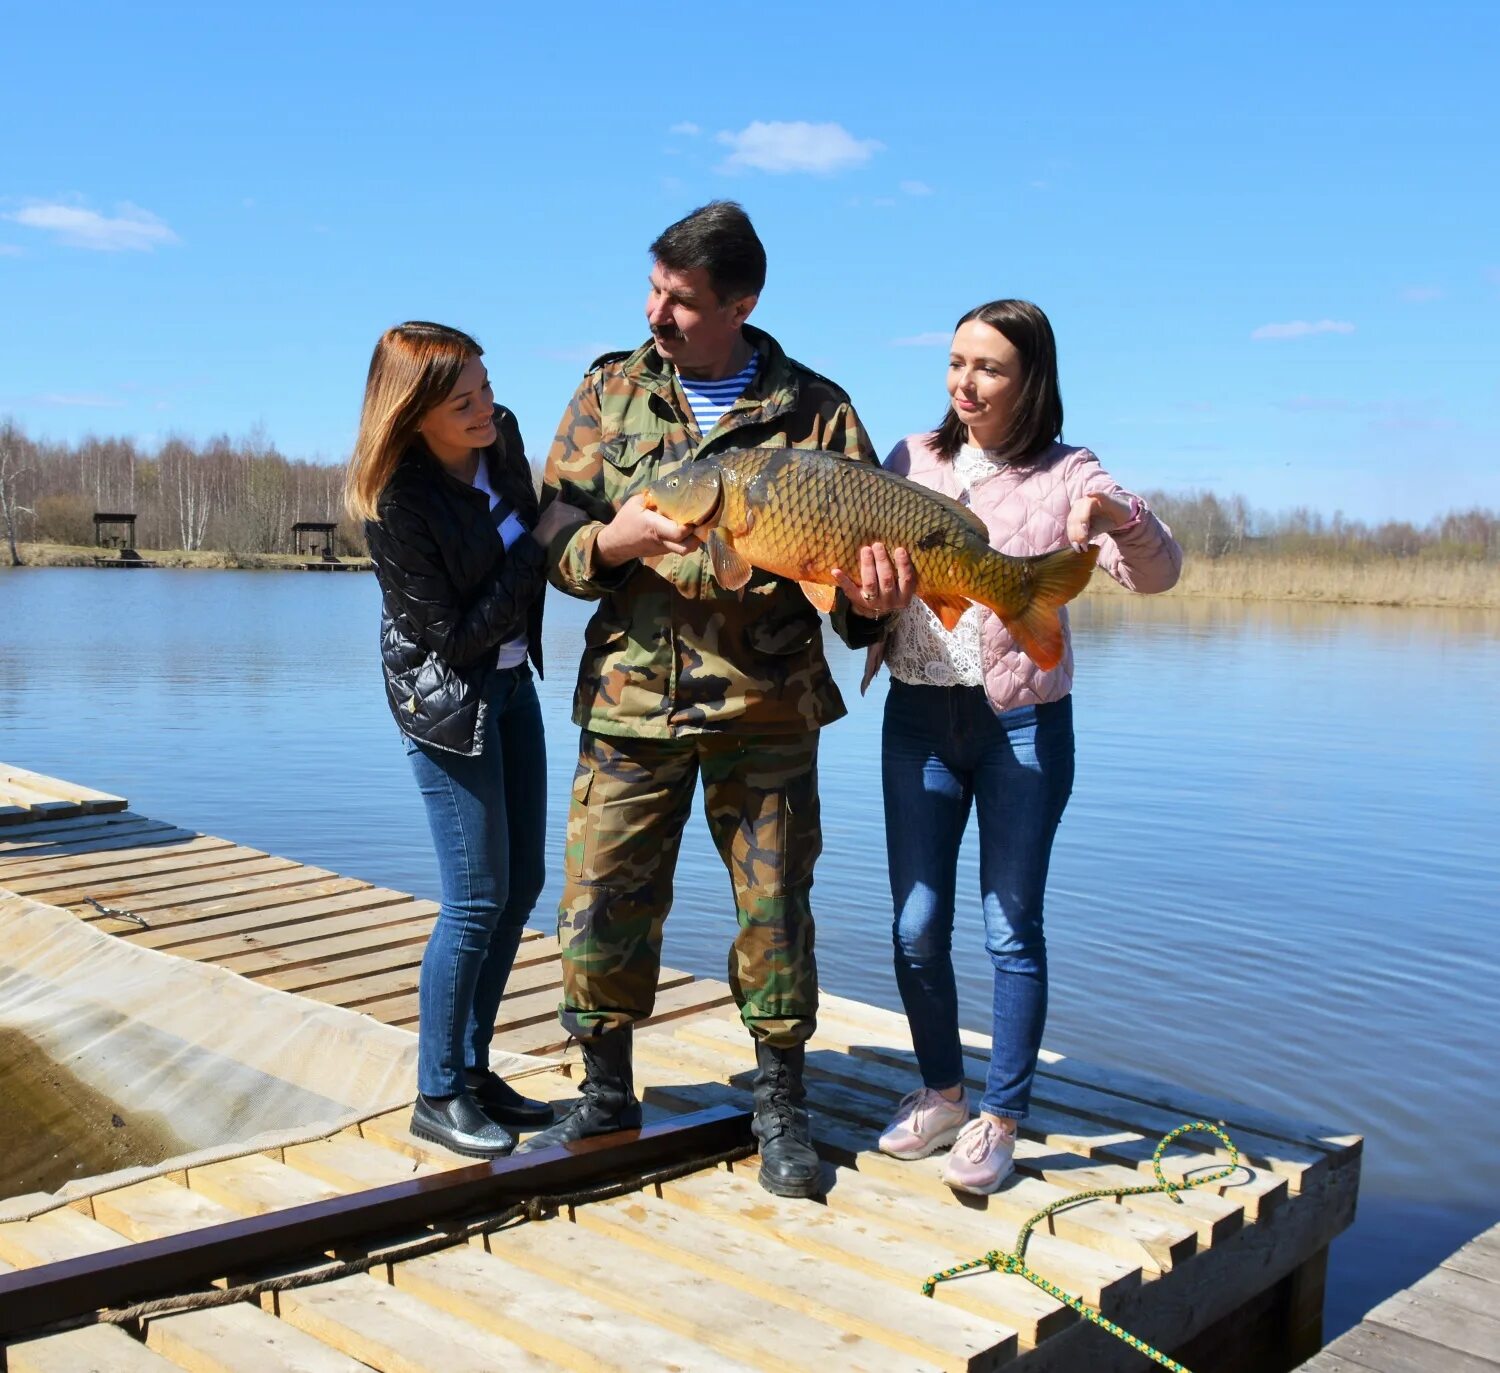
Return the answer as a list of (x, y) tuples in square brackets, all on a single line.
[(12, 468)]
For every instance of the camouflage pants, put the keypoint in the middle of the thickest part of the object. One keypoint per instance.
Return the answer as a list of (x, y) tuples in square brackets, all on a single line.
[(631, 799)]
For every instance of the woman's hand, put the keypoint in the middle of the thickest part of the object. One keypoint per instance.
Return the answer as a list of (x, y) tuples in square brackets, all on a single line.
[(636, 532), (887, 582), (1096, 514), (555, 518)]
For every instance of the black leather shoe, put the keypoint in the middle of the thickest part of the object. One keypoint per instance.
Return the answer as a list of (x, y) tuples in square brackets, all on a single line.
[(503, 1104), (457, 1123), (606, 1102), (789, 1165)]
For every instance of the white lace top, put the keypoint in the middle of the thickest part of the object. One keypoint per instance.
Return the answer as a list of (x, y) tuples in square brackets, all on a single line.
[(918, 650)]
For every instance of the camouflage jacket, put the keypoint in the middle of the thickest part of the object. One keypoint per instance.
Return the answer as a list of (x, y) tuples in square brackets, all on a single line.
[(669, 652)]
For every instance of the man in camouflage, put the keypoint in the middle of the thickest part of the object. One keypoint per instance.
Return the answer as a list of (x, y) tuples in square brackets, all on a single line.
[(680, 678)]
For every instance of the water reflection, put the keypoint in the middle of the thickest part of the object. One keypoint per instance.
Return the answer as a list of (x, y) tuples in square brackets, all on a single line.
[(1276, 879)]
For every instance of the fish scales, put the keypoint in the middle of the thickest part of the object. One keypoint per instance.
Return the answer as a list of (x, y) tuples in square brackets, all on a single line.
[(802, 514)]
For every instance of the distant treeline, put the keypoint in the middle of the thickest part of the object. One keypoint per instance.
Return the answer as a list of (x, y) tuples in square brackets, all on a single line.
[(243, 496), (1210, 526)]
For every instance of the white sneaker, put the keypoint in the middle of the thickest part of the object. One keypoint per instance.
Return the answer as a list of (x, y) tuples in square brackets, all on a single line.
[(983, 1156), (925, 1121)]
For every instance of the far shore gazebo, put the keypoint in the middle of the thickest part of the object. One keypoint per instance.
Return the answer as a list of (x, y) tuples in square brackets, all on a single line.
[(114, 530), (313, 539)]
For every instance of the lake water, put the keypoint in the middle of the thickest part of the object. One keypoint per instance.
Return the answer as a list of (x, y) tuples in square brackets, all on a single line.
[(1277, 879)]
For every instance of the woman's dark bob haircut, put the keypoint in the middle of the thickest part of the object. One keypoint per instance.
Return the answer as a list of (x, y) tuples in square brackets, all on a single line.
[(1036, 420)]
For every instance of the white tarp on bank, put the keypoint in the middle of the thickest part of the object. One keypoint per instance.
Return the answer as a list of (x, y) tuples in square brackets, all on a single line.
[(207, 1060)]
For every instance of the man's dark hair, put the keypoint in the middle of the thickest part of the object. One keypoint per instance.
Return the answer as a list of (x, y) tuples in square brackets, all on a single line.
[(1036, 419), (720, 238)]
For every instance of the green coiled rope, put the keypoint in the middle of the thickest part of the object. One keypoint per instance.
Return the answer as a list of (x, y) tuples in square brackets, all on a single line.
[(1014, 1261)]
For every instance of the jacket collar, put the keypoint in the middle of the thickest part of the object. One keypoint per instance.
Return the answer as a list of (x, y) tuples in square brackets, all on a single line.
[(772, 392)]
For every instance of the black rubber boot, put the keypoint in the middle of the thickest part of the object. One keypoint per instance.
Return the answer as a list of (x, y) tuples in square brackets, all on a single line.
[(606, 1101), (457, 1123), (789, 1165)]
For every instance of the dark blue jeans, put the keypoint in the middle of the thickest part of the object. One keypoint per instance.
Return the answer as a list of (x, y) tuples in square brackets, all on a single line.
[(488, 818), (943, 749)]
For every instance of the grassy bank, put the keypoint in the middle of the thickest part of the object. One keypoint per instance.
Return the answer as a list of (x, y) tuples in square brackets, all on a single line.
[(1380, 581), (81, 555)]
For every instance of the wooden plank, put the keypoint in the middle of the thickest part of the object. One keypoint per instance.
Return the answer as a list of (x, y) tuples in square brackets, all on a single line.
[(88, 870), (687, 1303), (318, 885), (242, 1339), (1385, 1349), (352, 1164), (1479, 1258), (93, 1349), (871, 1248), (1116, 1230), (19, 803), (256, 960), (216, 947), (255, 1185), (123, 891), (86, 797), (265, 921), (897, 1317), (233, 1339), (553, 1321), (397, 1333), (271, 874), (39, 839), (889, 1029), (107, 850), (1438, 1309), (1256, 1191), (1105, 1281), (1061, 1107)]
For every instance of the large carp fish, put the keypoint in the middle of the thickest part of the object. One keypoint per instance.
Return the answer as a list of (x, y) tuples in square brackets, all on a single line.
[(798, 513)]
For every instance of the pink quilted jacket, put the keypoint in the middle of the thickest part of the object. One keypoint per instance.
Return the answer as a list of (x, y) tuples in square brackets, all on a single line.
[(1026, 511)]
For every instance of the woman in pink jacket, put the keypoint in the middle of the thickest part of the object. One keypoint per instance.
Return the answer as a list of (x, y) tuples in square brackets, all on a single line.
[(969, 718)]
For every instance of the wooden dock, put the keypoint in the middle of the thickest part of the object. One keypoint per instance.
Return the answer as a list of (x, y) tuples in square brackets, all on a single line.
[(1449, 1322), (709, 1271)]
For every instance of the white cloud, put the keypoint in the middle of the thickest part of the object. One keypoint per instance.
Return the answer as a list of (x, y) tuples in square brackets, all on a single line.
[(777, 146), (932, 339), (1421, 295), (131, 229), (916, 188), (1301, 328), (687, 129)]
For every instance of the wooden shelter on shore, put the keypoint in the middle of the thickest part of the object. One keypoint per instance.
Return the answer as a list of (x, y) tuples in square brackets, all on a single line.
[(681, 1261)]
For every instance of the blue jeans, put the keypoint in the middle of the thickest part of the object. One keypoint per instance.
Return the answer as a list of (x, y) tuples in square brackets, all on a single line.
[(488, 817), (944, 748)]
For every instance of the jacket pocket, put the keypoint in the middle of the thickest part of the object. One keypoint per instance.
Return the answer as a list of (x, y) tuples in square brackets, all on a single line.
[(625, 453)]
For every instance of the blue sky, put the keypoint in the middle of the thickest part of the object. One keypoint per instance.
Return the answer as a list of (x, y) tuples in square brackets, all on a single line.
[(1268, 235)]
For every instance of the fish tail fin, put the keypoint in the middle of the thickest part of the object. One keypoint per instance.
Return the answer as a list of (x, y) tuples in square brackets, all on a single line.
[(1049, 581)]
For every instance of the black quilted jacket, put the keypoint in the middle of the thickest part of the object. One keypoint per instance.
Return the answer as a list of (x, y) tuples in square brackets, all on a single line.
[(451, 594)]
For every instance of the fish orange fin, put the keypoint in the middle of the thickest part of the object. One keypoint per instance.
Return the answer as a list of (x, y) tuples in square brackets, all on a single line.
[(731, 570), (1055, 579), (820, 594), (948, 609)]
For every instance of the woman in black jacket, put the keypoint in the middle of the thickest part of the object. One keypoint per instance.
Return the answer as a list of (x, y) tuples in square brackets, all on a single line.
[(440, 477)]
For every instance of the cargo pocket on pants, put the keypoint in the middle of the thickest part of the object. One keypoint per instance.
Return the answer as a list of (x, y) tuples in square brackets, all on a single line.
[(575, 848)]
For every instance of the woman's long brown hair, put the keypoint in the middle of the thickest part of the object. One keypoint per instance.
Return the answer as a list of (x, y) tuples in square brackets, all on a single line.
[(414, 367)]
